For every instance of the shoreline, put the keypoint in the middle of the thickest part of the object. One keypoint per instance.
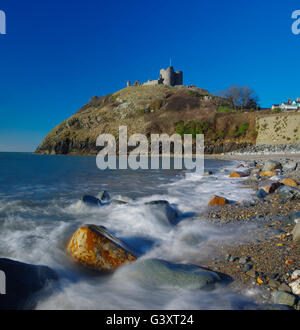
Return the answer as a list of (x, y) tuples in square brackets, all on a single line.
[(266, 263)]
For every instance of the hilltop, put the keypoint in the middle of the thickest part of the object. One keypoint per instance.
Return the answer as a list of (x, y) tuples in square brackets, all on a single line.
[(153, 109)]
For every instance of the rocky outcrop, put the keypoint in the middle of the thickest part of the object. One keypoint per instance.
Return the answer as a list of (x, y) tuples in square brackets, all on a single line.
[(149, 110), (24, 284), (95, 248)]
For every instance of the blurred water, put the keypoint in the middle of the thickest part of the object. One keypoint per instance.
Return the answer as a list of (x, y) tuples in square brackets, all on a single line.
[(40, 209)]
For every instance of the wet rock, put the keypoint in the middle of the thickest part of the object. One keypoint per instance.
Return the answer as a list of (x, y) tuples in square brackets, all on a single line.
[(162, 207), (283, 298), (25, 284), (244, 260), (94, 247), (295, 286), (104, 196), (296, 274), (261, 193), (247, 268), (91, 201), (289, 182), (287, 193), (284, 287), (274, 284), (290, 165), (118, 202), (166, 274), (218, 201), (252, 273), (268, 173), (237, 174), (296, 233), (271, 165), (293, 218), (269, 186)]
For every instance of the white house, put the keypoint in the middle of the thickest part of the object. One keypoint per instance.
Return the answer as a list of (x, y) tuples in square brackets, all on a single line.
[(290, 106)]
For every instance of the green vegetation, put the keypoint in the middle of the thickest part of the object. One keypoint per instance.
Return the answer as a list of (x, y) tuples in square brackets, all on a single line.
[(192, 127), (224, 109), (276, 110), (242, 130)]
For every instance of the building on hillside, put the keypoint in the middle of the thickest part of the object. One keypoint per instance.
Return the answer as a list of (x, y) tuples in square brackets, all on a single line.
[(288, 106), (167, 77)]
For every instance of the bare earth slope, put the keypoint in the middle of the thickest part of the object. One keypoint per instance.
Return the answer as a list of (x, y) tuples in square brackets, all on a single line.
[(148, 110)]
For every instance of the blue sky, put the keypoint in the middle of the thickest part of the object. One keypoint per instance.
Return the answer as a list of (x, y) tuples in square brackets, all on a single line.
[(57, 54)]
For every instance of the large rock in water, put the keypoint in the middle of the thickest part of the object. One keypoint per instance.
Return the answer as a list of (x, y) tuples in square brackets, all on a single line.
[(162, 207), (94, 247), (24, 284), (218, 201), (166, 274)]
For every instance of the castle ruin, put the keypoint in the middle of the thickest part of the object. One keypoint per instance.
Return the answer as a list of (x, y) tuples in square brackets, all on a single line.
[(168, 77)]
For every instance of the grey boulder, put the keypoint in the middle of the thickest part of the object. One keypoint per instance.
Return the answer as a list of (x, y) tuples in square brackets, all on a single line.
[(166, 274), (24, 284), (271, 165)]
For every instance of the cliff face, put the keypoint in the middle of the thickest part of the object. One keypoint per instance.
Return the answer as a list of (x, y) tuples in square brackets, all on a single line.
[(152, 109)]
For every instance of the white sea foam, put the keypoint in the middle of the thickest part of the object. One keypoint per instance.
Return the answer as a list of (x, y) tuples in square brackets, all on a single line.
[(36, 232)]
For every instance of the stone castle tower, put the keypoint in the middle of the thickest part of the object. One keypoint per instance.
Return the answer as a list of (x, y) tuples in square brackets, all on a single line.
[(168, 77)]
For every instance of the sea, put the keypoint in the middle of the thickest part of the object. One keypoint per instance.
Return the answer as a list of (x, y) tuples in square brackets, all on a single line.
[(41, 207)]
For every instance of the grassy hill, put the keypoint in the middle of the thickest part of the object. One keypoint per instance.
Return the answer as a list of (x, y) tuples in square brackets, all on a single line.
[(153, 109)]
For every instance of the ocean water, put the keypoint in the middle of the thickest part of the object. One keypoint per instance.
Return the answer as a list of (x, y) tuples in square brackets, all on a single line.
[(40, 208)]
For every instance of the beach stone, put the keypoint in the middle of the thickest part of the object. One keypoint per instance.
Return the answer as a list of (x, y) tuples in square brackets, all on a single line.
[(268, 173), (269, 186), (252, 273), (218, 201), (91, 201), (287, 193), (289, 182), (295, 286), (290, 165), (261, 193), (166, 274), (293, 218), (274, 284), (283, 298), (271, 165), (284, 287), (296, 274), (296, 232), (162, 207), (237, 174), (25, 283), (244, 260), (246, 268), (94, 247)]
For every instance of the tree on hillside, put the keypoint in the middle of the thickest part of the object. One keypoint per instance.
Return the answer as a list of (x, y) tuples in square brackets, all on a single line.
[(242, 97)]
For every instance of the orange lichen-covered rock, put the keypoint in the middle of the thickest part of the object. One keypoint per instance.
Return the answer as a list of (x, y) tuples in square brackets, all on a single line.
[(289, 182), (94, 247), (268, 173), (236, 174), (218, 201)]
